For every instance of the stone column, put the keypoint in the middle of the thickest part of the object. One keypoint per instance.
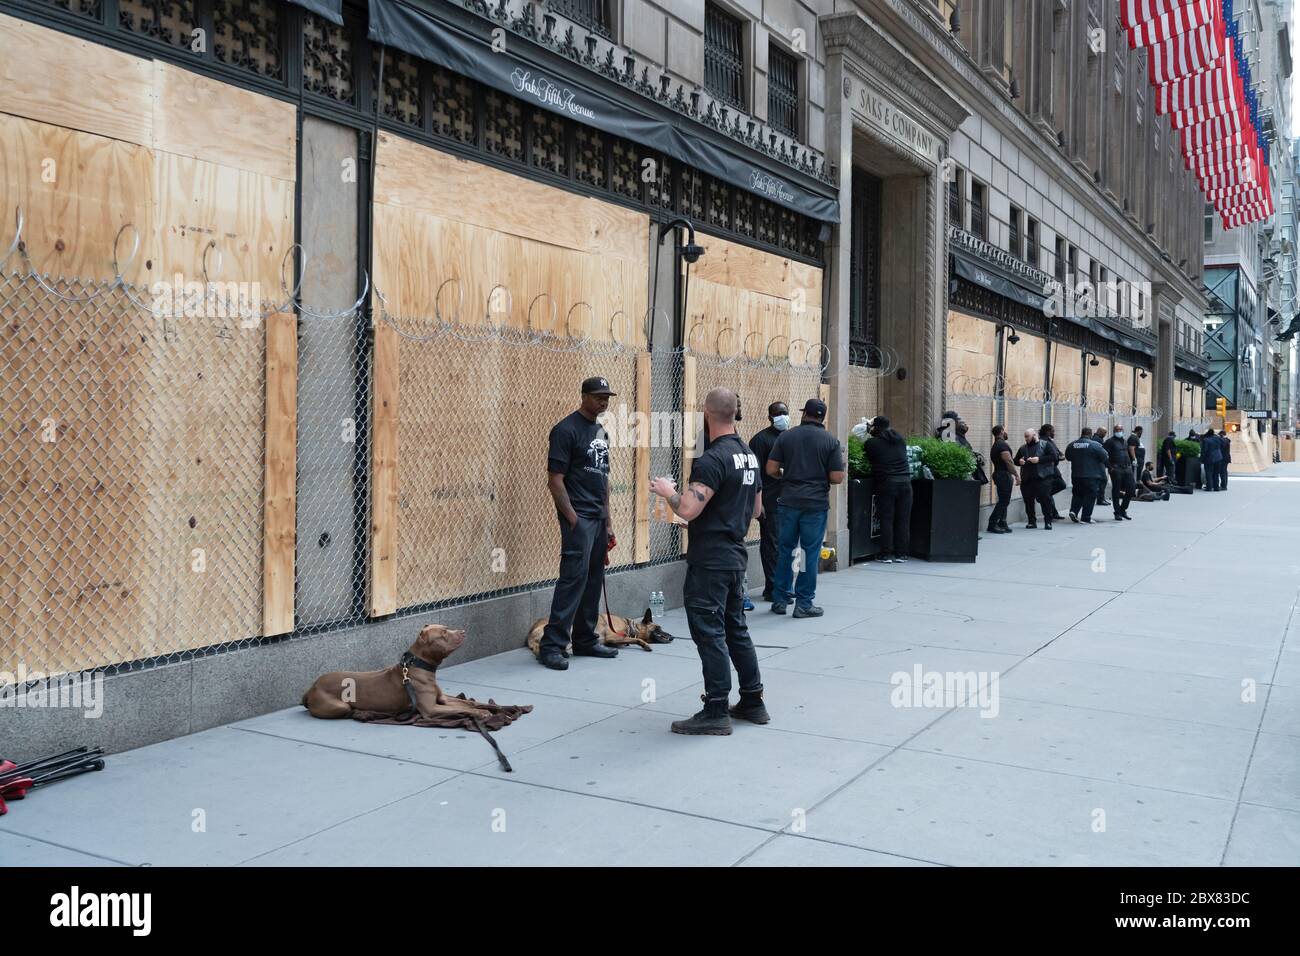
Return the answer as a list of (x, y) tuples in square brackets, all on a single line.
[(1164, 306), (835, 313)]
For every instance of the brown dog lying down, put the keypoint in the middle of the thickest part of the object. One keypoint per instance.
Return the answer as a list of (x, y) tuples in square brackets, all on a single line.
[(381, 696), (626, 631)]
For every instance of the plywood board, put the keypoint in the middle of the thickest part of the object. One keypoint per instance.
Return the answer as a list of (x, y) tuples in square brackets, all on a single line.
[(1067, 373), (55, 78), (972, 353), (1144, 391), (213, 121), (421, 178), (249, 216), (1124, 388), (1099, 384), (1025, 364), (737, 266), (77, 192)]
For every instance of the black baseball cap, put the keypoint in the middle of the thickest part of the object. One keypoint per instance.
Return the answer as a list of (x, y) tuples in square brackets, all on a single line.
[(596, 385), (815, 407)]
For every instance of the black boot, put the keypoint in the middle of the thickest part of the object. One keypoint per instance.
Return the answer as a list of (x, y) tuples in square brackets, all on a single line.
[(1003, 525), (751, 708), (713, 720)]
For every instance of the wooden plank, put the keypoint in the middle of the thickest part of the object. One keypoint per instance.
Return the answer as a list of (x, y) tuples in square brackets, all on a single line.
[(383, 473), (419, 177), (55, 78), (279, 521), (206, 119), (77, 190), (641, 470)]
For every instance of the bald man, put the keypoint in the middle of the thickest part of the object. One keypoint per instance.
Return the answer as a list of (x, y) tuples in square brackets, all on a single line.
[(724, 495)]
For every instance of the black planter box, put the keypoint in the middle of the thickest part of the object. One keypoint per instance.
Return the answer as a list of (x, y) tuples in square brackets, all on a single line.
[(946, 520), (1188, 470), (864, 533)]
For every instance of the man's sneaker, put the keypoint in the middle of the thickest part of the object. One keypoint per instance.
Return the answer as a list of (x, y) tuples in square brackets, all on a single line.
[(1031, 524), (884, 559), (554, 660), (712, 721), (751, 708), (1125, 516), (1074, 516), (778, 607), (810, 611), (1102, 502), (900, 559), (749, 605), (595, 650)]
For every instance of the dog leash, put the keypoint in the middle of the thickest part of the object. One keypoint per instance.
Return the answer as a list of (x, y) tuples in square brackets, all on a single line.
[(611, 544), (409, 660)]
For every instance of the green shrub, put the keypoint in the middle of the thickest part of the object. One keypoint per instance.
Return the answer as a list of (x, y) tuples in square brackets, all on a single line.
[(945, 459), (859, 466), (1184, 448)]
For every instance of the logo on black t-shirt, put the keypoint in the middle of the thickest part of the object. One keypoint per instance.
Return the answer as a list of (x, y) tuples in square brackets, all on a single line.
[(598, 456), (741, 460)]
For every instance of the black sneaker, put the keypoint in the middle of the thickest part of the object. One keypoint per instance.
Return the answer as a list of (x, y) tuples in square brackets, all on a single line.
[(778, 608), (1126, 517), (1047, 526), (900, 559), (1032, 524), (993, 529), (712, 721), (1074, 516), (810, 611)]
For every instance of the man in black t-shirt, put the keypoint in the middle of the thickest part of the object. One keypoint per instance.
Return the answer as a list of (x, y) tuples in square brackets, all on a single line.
[(724, 495), (808, 460), (1005, 478), (761, 445), (577, 465)]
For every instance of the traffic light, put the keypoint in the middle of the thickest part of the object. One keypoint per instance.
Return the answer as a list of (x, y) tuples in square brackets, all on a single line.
[(1221, 407)]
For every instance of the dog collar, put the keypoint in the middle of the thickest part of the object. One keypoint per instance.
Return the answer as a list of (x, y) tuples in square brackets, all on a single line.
[(409, 660)]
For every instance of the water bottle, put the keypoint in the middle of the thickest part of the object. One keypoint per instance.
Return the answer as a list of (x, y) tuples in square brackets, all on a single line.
[(656, 605)]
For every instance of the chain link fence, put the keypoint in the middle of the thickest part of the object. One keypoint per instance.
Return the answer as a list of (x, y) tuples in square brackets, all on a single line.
[(131, 474)]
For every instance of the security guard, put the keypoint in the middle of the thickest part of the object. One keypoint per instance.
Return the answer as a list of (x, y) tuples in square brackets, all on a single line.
[(1122, 484), (778, 413), (1088, 464), (578, 479), (724, 495)]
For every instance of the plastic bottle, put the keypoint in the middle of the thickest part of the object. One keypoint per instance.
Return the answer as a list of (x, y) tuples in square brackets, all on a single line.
[(656, 605)]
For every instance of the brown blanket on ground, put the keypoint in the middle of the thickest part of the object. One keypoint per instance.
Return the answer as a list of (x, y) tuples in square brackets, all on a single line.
[(501, 715)]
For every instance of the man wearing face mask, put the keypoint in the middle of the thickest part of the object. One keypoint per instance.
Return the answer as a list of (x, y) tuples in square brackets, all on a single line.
[(1121, 473), (761, 445)]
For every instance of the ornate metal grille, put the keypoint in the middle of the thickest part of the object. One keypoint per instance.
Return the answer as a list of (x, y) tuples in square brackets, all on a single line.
[(548, 147), (247, 34), (401, 86), (91, 9), (724, 57), (589, 157), (172, 22), (625, 169), (690, 196), (864, 266), (783, 92), (719, 213), (979, 223), (503, 130), (327, 59), (452, 105), (592, 14)]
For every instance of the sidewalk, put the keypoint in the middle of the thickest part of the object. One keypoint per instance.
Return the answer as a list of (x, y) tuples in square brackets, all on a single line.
[(1121, 735)]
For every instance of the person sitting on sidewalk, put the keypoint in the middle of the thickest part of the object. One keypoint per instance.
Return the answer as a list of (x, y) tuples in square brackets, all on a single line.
[(808, 460), (1153, 487)]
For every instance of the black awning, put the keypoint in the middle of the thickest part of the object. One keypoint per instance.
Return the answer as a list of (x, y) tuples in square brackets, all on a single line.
[(974, 271), (402, 24), (1112, 335), (331, 10)]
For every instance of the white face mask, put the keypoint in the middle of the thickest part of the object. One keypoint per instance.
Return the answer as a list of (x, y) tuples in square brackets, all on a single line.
[(782, 422)]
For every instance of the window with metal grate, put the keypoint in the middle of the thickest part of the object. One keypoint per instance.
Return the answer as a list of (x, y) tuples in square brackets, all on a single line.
[(592, 14), (724, 57), (979, 222), (783, 91)]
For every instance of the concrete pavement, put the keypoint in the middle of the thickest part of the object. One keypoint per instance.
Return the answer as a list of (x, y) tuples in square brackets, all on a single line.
[(1146, 711)]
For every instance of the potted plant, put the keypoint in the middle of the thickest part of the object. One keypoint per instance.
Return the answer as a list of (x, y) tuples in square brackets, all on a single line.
[(864, 529), (945, 506), (1187, 469)]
